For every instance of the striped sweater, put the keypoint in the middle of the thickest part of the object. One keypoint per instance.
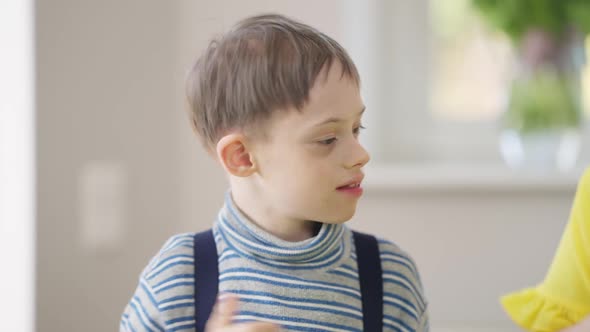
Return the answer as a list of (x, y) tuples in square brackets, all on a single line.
[(303, 286)]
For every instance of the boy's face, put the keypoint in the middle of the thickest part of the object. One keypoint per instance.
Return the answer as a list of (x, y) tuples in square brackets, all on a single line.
[(309, 165)]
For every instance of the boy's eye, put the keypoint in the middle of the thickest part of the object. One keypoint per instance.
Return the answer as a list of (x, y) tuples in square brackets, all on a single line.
[(358, 129), (328, 141)]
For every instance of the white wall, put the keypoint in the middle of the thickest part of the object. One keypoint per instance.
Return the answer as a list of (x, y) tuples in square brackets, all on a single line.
[(471, 246), (110, 92), (106, 96), (17, 163)]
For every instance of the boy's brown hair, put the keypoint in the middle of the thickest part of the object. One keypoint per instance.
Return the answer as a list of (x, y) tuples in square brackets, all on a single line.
[(265, 63)]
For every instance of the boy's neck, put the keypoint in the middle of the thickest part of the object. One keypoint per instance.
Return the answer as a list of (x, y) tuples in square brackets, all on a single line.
[(267, 219)]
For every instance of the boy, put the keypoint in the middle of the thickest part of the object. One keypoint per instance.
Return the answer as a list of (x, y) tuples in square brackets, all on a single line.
[(278, 103)]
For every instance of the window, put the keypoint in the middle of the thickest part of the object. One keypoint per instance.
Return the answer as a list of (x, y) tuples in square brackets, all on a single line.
[(472, 64), (435, 81)]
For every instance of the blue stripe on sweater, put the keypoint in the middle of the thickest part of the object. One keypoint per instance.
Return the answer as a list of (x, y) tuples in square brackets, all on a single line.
[(287, 277), (139, 310), (412, 288), (287, 320), (300, 303), (288, 285)]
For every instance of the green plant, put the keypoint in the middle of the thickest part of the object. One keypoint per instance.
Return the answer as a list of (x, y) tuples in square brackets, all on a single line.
[(547, 96), (516, 17), (544, 101)]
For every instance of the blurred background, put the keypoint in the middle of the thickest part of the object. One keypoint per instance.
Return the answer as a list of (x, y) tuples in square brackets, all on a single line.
[(471, 173)]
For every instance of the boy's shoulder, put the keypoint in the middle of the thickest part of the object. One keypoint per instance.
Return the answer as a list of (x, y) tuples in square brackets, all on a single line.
[(394, 258), (172, 264), (400, 274), (166, 288)]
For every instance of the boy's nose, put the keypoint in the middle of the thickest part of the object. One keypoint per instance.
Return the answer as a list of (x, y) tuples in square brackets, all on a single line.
[(359, 156)]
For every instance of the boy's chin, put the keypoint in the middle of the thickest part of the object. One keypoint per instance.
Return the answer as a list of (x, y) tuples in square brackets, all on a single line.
[(340, 219)]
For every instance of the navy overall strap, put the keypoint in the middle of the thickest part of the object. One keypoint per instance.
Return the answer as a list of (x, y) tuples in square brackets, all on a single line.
[(206, 267), (371, 281)]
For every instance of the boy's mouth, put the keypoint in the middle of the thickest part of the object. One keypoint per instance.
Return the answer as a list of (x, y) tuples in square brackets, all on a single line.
[(349, 186), (351, 190), (354, 182)]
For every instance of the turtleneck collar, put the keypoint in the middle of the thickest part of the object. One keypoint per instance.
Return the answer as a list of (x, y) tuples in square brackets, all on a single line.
[(325, 249)]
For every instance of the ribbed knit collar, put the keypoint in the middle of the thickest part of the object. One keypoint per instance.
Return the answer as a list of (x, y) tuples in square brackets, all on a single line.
[(331, 243)]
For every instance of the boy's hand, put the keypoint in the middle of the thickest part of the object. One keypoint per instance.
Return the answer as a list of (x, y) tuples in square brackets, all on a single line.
[(223, 312)]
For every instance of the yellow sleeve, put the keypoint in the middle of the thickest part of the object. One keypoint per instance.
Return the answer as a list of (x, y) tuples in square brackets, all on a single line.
[(563, 298)]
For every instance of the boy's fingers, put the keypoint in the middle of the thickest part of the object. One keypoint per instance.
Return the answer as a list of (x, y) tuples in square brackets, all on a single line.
[(256, 327), (223, 311), (228, 306)]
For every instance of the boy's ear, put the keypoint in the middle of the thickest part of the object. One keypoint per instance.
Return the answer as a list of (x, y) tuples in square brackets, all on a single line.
[(233, 153)]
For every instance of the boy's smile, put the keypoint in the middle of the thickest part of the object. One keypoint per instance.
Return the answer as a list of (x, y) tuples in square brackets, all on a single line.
[(353, 187)]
